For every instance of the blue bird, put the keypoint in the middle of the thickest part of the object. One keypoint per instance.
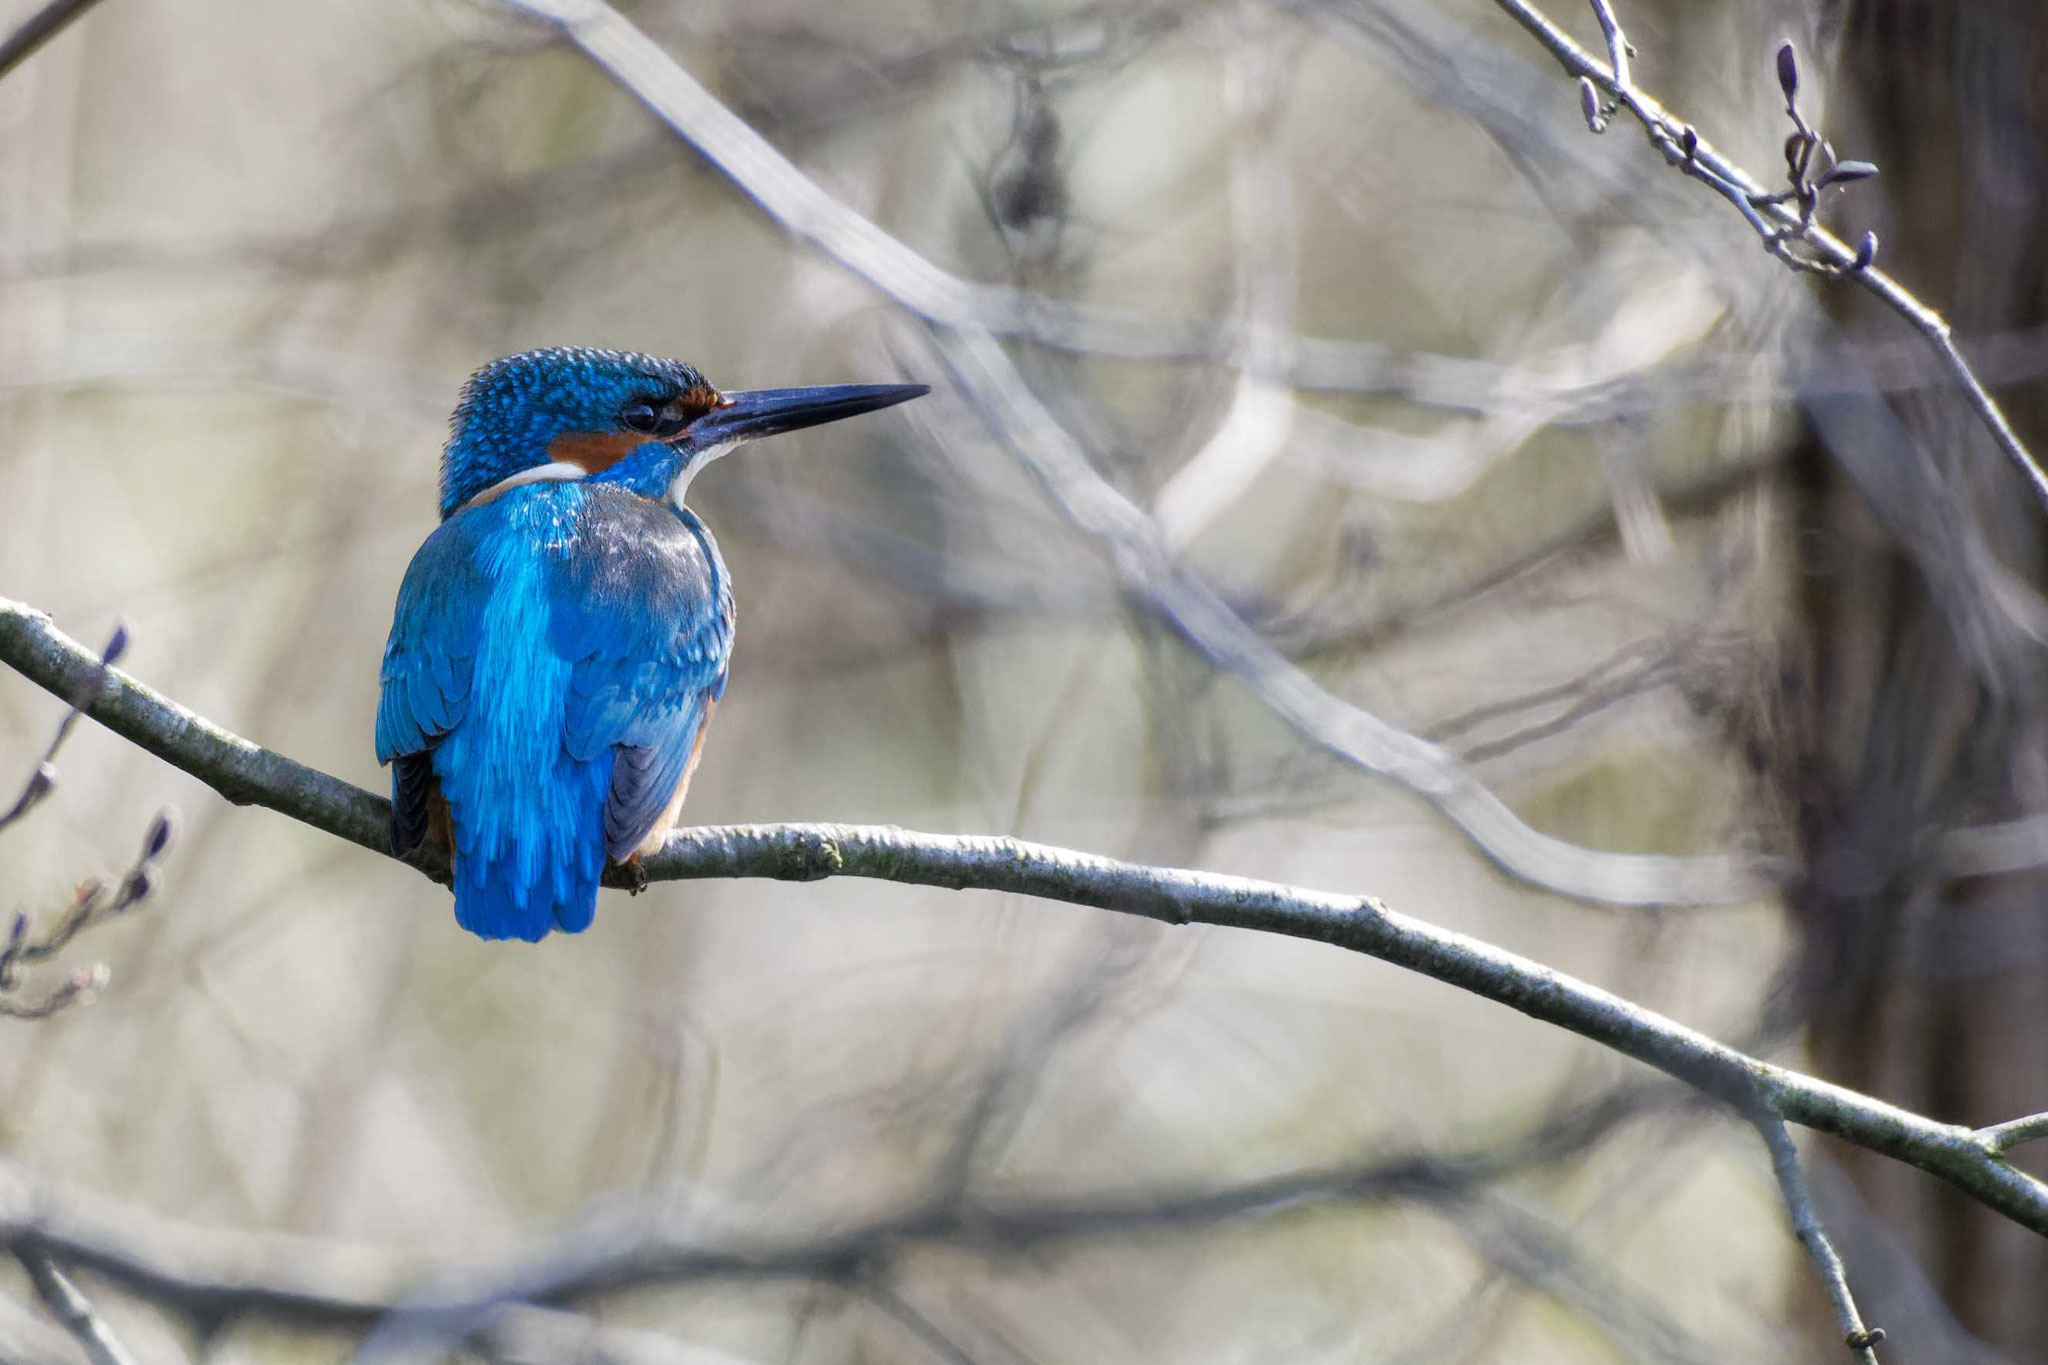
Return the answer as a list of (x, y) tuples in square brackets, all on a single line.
[(561, 638)]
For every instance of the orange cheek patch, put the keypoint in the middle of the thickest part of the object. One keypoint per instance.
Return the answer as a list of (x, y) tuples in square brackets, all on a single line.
[(594, 451)]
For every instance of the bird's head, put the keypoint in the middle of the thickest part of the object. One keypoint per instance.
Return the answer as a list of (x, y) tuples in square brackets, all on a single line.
[(617, 417)]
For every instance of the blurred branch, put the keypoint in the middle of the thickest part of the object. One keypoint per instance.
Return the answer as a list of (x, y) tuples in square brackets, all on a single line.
[(919, 1324), (1221, 636), (519, 1334), (1139, 552), (250, 775), (1779, 219), (1316, 631), (72, 1308), (1643, 666), (30, 1338), (619, 1246), (1532, 1252), (1256, 426), (45, 24)]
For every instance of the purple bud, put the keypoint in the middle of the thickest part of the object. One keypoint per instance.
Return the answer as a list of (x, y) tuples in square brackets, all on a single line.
[(117, 646), (160, 833), (1788, 72), (136, 886), (1866, 252), (1848, 172), (1589, 104)]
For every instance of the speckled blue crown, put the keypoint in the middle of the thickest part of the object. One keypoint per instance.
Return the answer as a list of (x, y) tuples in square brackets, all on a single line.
[(513, 407)]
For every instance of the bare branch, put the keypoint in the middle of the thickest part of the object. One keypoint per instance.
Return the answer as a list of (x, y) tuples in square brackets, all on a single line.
[(43, 780), (1861, 1340), (92, 903), (2005, 1136), (72, 1308), (250, 775), (93, 900), (80, 988), (45, 24), (1775, 218)]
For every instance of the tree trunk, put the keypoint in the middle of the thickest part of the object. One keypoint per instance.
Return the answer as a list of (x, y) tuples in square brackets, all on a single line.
[(1926, 985)]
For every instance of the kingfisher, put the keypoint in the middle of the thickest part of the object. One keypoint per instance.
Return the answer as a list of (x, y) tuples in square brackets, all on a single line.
[(561, 638)]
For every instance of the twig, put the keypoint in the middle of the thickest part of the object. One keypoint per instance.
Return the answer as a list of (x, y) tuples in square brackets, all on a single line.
[(250, 775), (1619, 49), (43, 780), (93, 903), (1773, 218), (928, 1333), (2005, 1136), (1139, 552), (93, 900), (1861, 1340), (72, 1308), (45, 24), (80, 988)]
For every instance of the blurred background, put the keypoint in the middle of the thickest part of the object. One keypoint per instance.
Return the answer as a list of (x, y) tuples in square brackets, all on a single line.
[(1496, 429)]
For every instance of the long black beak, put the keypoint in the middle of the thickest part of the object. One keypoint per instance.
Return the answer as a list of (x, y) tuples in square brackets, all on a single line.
[(769, 412)]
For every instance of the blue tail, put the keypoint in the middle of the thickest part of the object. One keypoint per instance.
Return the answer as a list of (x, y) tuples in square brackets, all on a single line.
[(529, 847)]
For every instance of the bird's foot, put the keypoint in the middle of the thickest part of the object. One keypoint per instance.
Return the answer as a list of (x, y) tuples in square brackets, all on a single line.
[(636, 875)]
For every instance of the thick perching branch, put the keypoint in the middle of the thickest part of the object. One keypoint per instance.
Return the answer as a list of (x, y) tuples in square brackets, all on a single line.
[(250, 775)]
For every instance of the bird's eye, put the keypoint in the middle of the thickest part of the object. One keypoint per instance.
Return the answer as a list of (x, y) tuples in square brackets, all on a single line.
[(639, 417)]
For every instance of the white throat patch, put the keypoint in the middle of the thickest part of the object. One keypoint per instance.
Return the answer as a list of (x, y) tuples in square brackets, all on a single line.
[(681, 485), (559, 471)]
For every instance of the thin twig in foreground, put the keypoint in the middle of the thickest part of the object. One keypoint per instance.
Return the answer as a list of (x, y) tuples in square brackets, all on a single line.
[(1806, 1222), (1684, 149), (72, 1308), (250, 775), (93, 902), (43, 779)]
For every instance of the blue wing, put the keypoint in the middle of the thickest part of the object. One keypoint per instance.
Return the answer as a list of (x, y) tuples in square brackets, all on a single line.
[(553, 660), (429, 661), (646, 619)]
